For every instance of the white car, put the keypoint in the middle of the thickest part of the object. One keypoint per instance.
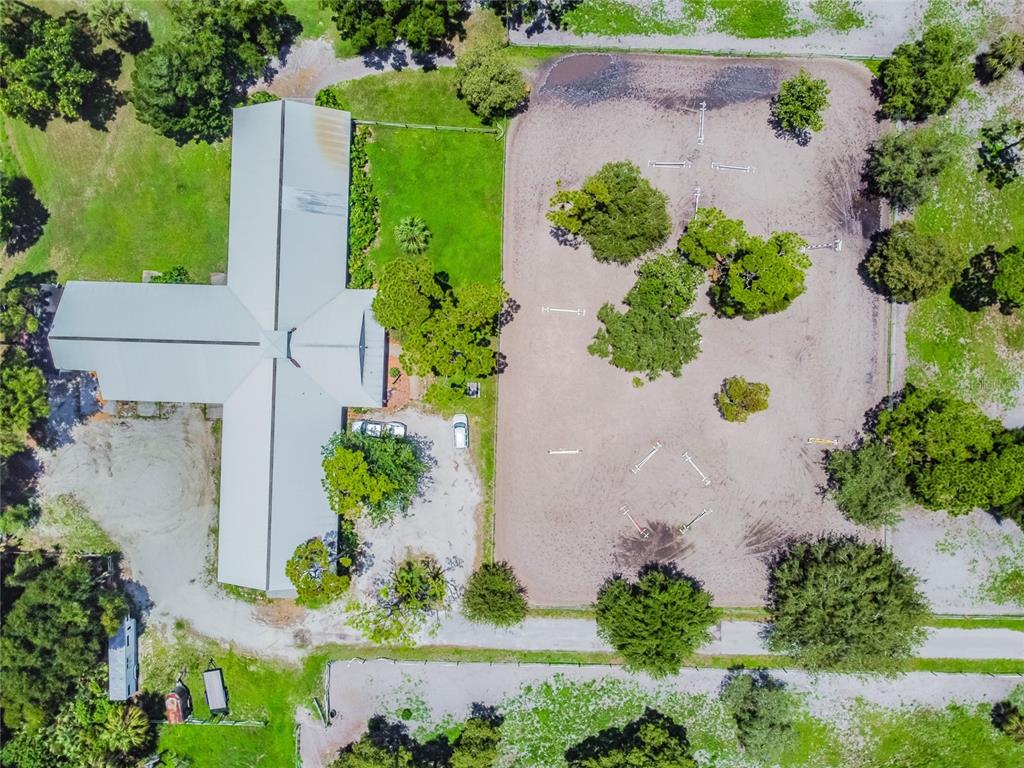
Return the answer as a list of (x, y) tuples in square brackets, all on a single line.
[(378, 428), (460, 424)]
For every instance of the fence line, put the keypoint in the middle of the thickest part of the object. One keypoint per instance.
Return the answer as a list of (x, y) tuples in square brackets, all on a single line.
[(561, 48), (499, 132)]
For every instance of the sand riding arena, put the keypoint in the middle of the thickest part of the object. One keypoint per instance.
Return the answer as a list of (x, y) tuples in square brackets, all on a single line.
[(573, 429)]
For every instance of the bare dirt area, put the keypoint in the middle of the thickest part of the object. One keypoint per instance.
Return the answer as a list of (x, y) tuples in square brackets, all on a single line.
[(558, 518), (438, 693)]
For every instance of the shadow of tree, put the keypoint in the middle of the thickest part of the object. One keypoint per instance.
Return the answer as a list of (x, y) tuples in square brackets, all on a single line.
[(973, 290), (627, 739), (30, 216)]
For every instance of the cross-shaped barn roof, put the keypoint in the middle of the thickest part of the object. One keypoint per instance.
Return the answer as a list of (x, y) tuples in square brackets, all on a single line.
[(283, 345)]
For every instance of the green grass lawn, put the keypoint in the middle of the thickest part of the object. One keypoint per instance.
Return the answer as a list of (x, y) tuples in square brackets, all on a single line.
[(450, 180), (258, 689), (739, 18), (977, 355)]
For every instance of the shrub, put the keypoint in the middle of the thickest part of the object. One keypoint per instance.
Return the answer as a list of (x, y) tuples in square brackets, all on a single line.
[(867, 485), (380, 475), (363, 211), (763, 711), (412, 235), (927, 76), (1006, 53), (490, 85), (616, 212), (797, 108), (314, 573), (1008, 283), (174, 275), (495, 596), (836, 603), (656, 334), (999, 154), (657, 621), (262, 97), (902, 166), (653, 740), (910, 265), (739, 398)]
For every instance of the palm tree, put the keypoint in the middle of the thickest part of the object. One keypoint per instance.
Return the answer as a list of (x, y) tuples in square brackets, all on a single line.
[(125, 730), (412, 235), (110, 18)]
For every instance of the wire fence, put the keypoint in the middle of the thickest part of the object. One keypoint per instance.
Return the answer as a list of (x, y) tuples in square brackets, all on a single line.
[(570, 48), (498, 132)]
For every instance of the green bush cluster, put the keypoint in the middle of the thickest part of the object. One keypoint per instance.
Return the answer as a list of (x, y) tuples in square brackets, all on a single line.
[(751, 276), (379, 475), (909, 264), (903, 166), (657, 333), (616, 212), (927, 76), (416, 589), (363, 211), (495, 596), (836, 603), (370, 24), (653, 740), (739, 398), (175, 275), (489, 84)]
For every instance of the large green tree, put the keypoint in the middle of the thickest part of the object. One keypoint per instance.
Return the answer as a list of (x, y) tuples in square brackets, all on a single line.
[(489, 84), (425, 25), (416, 590), (379, 475), (910, 265), (927, 76), (494, 595), (867, 485), (797, 108), (616, 212), (186, 86), (54, 631), (764, 713), (313, 571), (955, 457), (653, 740), (23, 399), (477, 744), (836, 603), (902, 166), (751, 276), (656, 621), (444, 332), (656, 334), (49, 64)]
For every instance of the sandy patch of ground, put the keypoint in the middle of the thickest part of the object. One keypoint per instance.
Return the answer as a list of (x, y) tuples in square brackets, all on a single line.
[(955, 556), (557, 517), (435, 691), (441, 523), (149, 484)]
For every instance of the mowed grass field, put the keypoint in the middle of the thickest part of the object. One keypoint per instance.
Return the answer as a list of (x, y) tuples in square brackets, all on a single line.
[(452, 180), (976, 355)]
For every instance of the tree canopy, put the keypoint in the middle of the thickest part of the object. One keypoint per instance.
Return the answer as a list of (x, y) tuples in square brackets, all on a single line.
[(616, 212), (797, 108), (489, 84), (764, 713), (443, 332), (54, 632), (1000, 156), (751, 276), (495, 596), (368, 24), (867, 485), (186, 86), (902, 166), (955, 457), (379, 475), (1008, 283), (655, 334), (656, 621), (653, 740), (50, 64), (313, 571), (910, 265), (23, 399), (1005, 54), (739, 398), (836, 603), (927, 76), (415, 590)]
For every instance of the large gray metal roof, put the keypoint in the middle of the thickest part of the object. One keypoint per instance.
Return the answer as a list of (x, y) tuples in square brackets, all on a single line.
[(284, 345)]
